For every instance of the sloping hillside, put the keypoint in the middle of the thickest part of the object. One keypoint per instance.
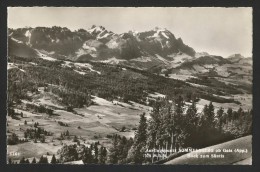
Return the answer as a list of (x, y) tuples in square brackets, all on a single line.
[(244, 143), (18, 48)]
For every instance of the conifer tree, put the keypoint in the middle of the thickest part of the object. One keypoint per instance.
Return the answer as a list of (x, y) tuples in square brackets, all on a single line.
[(43, 139), (96, 153), (140, 140), (167, 124), (191, 119), (122, 149), (67, 133), (249, 122), (102, 155), (210, 115), (34, 161), (22, 161), (179, 123), (220, 113), (43, 160), (154, 125), (113, 156), (53, 160), (241, 115), (229, 114), (204, 124), (75, 139), (205, 110), (10, 161)]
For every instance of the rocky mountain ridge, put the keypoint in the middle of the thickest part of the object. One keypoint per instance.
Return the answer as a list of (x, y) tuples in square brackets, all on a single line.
[(157, 50)]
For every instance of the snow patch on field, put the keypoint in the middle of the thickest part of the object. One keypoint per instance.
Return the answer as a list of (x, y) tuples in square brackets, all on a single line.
[(22, 70), (81, 73), (101, 101), (200, 69), (186, 72), (142, 59), (156, 95), (210, 66), (67, 64), (222, 70), (44, 56), (19, 42), (11, 65), (113, 60), (181, 77), (26, 113), (35, 64), (165, 35), (112, 44), (226, 97), (179, 58), (86, 47), (197, 85), (161, 58), (86, 65)]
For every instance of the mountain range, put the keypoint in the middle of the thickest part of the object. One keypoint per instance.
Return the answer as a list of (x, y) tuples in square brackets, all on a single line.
[(157, 51)]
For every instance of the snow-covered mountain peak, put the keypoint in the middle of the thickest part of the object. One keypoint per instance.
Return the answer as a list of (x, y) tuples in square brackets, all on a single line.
[(159, 29), (236, 56), (96, 29), (200, 54)]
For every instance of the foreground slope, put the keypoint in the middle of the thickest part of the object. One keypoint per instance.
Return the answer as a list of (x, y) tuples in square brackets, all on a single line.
[(229, 157)]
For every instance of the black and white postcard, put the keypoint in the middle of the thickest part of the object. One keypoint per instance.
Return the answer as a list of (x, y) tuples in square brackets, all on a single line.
[(126, 85)]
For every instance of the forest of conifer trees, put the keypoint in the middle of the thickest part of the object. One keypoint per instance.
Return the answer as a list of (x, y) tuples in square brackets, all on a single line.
[(171, 126)]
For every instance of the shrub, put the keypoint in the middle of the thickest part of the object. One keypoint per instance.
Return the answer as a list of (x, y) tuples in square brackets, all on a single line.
[(68, 153), (13, 139), (123, 129)]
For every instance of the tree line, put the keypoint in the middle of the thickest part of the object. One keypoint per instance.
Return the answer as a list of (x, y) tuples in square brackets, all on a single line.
[(112, 84), (42, 160), (172, 126), (93, 154)]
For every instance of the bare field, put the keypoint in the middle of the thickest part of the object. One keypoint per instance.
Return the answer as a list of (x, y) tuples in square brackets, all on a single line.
[(244, 99), (89, 124)]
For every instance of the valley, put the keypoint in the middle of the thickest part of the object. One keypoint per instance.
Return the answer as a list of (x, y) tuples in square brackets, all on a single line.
[(90, 87)]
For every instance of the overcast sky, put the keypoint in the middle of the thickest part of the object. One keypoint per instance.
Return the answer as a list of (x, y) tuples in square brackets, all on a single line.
[(218, 31)]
